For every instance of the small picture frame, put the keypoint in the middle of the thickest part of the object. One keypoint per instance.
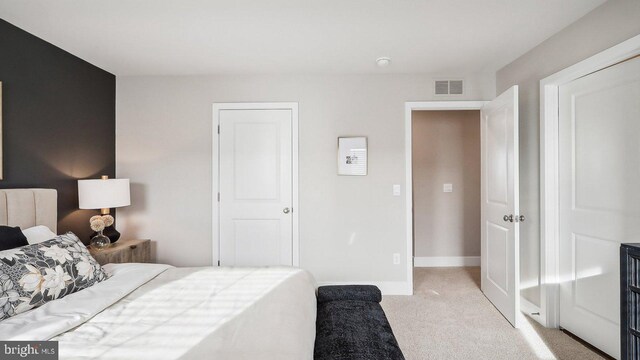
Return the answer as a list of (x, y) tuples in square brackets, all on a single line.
[(352, 156)]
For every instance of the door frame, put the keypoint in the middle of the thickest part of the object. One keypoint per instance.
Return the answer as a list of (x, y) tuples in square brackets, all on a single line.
[(215, 189), (409, 107), (549, 171)]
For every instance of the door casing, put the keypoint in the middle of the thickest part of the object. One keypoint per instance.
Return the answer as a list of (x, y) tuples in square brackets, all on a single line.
[(215, 168), (549, 170)]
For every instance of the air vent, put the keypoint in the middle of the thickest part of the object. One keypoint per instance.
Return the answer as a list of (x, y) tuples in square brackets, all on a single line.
[(455, 87), (449, 87)]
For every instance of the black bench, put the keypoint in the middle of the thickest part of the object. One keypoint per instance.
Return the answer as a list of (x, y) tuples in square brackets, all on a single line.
[(351, 325)]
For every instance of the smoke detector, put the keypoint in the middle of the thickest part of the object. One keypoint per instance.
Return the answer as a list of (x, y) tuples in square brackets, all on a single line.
[(383, 61)]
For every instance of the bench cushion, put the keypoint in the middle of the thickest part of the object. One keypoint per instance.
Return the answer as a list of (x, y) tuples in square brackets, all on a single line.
[(349, 292), (353, 329)]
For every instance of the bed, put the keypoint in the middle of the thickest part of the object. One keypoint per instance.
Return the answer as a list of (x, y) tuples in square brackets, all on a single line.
[(154, 311)]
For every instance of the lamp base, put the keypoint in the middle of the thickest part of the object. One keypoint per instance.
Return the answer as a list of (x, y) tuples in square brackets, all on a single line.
[(109, 232)]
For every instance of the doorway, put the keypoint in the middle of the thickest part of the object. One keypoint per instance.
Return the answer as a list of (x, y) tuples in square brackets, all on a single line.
[(500, 217), (410, 108), (256, 197), (446, 188)]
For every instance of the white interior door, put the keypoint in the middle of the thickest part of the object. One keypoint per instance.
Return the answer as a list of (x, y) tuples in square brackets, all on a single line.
[(500, 275), (255, 150), (599, 178)]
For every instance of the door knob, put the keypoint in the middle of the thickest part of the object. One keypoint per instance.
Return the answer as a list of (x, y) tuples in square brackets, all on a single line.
[(286, 210), (508, 218), (520, 218)]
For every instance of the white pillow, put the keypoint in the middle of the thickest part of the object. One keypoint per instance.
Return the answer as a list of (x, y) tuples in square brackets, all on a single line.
[(38, 234)]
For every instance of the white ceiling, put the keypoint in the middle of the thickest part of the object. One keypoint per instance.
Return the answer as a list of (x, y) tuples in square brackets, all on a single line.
[(171, 37)]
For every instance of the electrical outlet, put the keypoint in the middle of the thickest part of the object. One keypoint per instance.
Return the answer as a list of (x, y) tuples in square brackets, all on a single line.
[(396, 259), (396, 190)]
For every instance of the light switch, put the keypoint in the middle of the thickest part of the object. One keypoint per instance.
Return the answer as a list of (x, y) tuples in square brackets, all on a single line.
[(396, 190), (447, 188)]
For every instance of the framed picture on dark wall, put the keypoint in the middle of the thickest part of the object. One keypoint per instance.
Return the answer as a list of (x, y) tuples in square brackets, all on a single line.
[(352, 156)]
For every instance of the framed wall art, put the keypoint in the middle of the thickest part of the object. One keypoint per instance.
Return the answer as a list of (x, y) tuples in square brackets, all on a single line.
[(352, 156)]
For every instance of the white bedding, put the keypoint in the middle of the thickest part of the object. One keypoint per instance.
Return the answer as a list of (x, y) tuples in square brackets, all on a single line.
[(149, 311)]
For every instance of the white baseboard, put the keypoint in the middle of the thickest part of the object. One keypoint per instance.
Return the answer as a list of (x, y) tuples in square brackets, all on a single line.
[(386, 287), (445, 261)]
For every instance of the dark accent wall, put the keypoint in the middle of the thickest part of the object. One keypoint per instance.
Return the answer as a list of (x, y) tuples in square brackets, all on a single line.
[(58, 121)]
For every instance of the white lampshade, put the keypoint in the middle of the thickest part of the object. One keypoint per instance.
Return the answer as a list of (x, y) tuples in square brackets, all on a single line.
[(103, 194)]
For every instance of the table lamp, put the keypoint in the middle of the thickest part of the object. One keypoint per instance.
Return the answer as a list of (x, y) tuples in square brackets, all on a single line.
[(104, 194)]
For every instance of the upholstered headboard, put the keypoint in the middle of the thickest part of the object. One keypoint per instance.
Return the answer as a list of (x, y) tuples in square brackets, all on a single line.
[(29, 207)]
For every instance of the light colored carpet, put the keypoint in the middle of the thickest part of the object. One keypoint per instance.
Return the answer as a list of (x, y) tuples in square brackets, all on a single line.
[(448, 317)]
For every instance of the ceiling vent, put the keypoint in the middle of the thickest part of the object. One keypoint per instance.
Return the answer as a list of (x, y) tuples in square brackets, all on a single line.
[(449, 87)]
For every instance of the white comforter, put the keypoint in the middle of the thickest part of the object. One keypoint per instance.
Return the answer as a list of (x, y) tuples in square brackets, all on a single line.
[(148, 311)]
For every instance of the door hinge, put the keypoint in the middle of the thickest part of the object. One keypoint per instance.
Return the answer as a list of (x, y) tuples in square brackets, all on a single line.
[(218, 129), (218, 262), (218, 197)]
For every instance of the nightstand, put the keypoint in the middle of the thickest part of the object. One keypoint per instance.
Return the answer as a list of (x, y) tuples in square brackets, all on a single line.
[(124, 251)]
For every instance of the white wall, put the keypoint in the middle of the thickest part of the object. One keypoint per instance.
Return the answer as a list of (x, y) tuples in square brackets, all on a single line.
[(349, 226), (446, 149), (606, 26)]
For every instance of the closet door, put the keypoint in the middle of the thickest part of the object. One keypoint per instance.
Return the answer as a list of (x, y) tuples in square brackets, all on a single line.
[(599, 179)]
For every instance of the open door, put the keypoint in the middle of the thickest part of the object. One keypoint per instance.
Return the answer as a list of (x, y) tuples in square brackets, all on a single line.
[(500, 275)]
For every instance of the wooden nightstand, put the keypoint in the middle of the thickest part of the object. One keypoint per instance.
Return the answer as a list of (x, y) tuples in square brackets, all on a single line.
[(124, 251)]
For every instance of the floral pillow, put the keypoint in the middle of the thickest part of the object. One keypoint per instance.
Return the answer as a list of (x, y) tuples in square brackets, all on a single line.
[(33, 275)]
